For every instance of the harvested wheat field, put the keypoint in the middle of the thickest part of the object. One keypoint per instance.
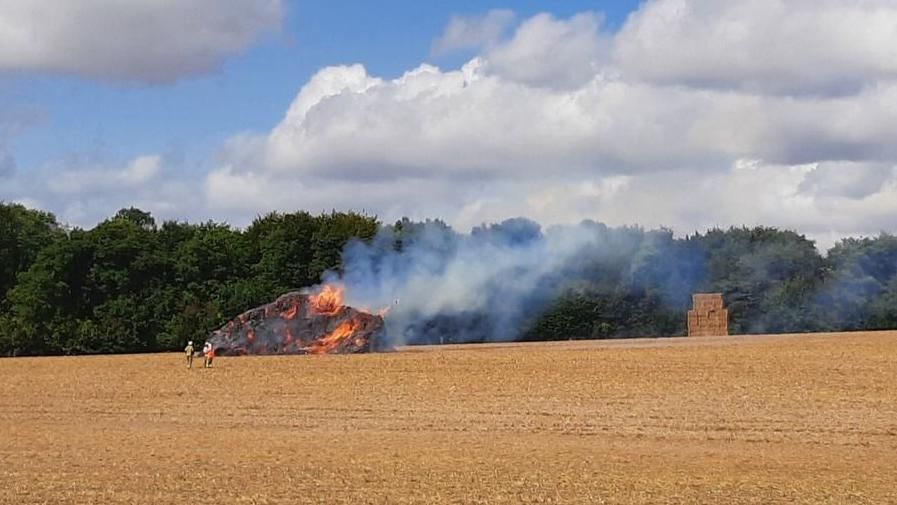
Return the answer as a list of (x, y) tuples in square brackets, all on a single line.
[(735, 420)]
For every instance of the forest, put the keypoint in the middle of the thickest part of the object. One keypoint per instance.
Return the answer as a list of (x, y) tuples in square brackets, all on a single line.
[(130, 284)]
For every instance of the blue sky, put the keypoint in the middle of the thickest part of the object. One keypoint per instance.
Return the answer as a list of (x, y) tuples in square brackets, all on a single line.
[(189, 119), (687, 114)]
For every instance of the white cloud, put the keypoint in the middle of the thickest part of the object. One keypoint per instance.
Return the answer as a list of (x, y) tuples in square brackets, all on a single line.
[(150, 41), (474, 32), (849, 180), (432, 124), (139, 172), (547, 124), (546, 51), (777, 46), (745, 193), (83, 194)]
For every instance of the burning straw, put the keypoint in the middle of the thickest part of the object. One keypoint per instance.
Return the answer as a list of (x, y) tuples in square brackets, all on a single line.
[(301, 323)]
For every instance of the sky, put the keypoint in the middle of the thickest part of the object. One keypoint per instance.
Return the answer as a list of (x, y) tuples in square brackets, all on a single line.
[(687, 114)]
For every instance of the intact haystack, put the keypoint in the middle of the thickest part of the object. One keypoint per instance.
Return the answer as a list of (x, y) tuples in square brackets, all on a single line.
[(708, 317)]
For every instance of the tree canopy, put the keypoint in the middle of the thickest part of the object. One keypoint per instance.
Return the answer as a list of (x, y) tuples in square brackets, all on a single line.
[(132, 285)]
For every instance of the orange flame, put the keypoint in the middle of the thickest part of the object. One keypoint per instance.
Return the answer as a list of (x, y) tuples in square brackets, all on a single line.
[(334, 338), (249, 333), (290, 313), (329, 300)]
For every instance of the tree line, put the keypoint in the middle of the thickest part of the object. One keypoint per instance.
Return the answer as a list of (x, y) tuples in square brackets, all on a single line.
[(132, 285), (773, 281)]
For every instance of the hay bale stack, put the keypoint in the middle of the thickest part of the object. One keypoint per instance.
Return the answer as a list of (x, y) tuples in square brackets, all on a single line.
[(296, 324), (708, 317)]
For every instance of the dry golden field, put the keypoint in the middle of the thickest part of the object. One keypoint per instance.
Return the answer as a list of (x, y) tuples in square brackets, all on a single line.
[(737, 420)]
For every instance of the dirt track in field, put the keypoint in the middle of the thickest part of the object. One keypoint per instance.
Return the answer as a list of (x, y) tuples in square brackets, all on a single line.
[(786, 419)]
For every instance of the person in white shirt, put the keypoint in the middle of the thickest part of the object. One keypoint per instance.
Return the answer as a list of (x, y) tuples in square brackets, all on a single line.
[(188, 353)]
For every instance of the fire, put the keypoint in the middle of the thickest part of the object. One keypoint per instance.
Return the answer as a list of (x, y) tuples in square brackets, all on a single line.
[(291, 312), (302, 323), (329, 300), (332, 340)]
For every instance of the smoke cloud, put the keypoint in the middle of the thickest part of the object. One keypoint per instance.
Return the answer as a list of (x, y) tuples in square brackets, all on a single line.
[(488, 285)]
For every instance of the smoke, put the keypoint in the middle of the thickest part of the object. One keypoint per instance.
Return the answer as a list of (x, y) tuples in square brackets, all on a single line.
[(515, 280), (440, 285)]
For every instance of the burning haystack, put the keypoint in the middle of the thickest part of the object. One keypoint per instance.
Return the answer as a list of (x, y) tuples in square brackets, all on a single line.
[(299, 323)]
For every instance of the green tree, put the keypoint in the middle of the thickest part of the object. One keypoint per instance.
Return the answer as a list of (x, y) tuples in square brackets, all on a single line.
[(861, 283), (23, 234), (334, 231), (282, 250)]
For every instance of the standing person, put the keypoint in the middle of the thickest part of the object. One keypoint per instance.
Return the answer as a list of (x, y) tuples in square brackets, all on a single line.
[(209, 354), (188, 353)]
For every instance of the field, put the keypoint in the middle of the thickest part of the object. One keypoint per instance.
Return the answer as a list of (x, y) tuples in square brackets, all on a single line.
[(737, 420)]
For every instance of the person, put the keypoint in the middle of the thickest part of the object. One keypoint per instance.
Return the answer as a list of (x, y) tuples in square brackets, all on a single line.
[(188, 353), (209, 354)]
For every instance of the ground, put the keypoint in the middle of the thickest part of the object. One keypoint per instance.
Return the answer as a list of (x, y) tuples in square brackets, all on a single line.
[(736, 420)]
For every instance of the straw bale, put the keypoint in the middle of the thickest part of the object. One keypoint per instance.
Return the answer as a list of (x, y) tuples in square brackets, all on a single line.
[(708, 317)]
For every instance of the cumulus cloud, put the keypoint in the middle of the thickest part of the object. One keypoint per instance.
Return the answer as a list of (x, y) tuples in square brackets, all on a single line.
[(747, 192), (133, 41), (562, 120), (84, 193), (474, 32), (546, 51), (137, 173), (468, 123), (543, 51), (774, 46), (849, 180), (548, 124)]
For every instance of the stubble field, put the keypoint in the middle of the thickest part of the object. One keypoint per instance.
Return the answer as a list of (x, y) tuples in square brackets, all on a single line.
[(785, 419)]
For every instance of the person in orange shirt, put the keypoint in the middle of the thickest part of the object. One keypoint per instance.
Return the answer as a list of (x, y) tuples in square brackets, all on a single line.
[(209, 354)]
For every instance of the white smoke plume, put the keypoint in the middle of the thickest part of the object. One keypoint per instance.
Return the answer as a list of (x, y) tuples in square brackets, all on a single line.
[(482, 286)]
